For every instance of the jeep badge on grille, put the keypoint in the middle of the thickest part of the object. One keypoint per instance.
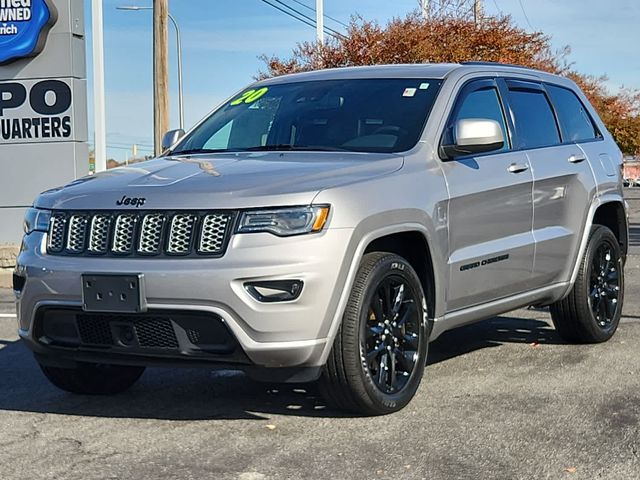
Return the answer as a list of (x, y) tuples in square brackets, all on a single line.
[(134, 202)]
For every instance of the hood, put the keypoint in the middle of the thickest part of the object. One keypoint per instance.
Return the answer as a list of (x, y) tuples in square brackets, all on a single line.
[(220, 181)]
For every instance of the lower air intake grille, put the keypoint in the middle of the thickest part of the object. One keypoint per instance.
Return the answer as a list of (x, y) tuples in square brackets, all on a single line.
[(156, 333), (140, 233), (95, 330), (150, 332)]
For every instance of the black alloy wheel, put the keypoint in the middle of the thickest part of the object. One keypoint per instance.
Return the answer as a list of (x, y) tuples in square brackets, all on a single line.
[(604, 285), (591, 312), (391, 334), (379, 353)]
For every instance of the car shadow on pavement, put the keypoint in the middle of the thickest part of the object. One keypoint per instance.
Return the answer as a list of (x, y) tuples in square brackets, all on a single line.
[(203, 394), (491, 333)]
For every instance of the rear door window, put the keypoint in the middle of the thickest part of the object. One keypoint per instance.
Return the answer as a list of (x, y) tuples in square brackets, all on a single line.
[(575, 122), (533, 117)]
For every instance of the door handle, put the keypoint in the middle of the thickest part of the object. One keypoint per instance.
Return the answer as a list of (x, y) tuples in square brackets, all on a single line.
[(577, 158), (518, 168)]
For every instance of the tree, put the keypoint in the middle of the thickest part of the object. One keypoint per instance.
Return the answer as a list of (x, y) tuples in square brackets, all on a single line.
[(415, 39)]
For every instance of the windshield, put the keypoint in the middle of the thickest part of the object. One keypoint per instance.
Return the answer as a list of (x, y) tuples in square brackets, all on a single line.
[(367, 115)]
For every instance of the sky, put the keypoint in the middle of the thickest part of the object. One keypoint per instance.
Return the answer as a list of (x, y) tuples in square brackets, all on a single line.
[(222, 40)]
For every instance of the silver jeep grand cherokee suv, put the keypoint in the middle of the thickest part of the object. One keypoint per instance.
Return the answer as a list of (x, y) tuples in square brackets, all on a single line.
[(326, 226)]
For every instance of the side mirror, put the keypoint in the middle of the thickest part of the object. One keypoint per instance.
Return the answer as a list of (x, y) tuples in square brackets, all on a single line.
[(475, 135), (171, 138)]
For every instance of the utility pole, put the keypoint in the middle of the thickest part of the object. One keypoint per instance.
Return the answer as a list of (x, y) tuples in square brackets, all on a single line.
[(100, 143), (160, 72), (426, 8), (320, 21), (477, 11)]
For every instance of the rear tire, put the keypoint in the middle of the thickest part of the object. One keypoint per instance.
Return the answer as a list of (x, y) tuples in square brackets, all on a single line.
[(379, 353), (93, 379), (592, 310)]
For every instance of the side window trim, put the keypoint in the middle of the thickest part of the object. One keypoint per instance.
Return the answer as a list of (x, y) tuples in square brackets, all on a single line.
[(598, 133), (532, 86), (469, 87)]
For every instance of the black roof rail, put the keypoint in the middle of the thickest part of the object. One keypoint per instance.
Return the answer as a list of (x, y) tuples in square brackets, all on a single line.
[(497, 64)]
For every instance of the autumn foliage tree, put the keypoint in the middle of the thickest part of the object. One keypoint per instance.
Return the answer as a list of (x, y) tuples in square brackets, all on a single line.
[(414, 39)]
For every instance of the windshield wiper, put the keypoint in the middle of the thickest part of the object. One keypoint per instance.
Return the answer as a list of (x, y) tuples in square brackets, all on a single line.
[(289, 147), (259, 148), (194, 151)]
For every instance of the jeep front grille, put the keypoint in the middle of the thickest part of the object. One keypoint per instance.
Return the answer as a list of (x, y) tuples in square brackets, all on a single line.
[(139, 233)]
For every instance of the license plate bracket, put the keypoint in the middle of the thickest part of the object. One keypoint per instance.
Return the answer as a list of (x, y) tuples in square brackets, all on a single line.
[(113, 293)]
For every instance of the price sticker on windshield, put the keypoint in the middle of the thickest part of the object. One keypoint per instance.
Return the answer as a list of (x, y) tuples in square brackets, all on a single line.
[(250, 96)]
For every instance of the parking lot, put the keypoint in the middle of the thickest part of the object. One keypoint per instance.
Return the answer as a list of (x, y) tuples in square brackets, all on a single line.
[(502, 399)]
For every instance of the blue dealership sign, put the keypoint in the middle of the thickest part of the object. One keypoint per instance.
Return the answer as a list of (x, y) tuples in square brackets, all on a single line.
[(24, 25)]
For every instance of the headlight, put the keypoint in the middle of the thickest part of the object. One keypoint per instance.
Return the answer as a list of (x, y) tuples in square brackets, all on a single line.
[(284, 221), (36, 220)]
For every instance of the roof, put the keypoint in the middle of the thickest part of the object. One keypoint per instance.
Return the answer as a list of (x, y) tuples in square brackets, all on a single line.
[(419, 70)]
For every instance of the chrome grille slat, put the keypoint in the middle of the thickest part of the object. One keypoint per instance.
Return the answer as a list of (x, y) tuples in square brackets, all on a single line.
[(76, 233), (151, 233), (57, 227), (123, 234), (99, 233), (139, 233), (212, 237), (181, 233)]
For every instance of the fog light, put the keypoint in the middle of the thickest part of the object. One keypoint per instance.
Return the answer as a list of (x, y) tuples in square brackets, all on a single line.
[(274, 290)]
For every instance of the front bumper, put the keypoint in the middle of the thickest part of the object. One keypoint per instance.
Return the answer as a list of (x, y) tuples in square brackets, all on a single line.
[(279, 334)]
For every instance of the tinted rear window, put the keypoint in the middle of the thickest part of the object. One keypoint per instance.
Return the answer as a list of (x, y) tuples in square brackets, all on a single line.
[(575, 122), (534, 119)]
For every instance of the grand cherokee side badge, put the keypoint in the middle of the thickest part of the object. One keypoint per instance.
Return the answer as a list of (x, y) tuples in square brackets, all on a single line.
[(134, 202)]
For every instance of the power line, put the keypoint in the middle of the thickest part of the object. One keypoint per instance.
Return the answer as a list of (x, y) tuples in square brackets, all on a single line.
[(128, 144), (312, 20), (288, 13), (306, 20), (525, 15), (129, 148), (326, 16), (497, 7)]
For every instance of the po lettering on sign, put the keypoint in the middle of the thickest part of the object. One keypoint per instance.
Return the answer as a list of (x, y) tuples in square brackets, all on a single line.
[(36, 111)]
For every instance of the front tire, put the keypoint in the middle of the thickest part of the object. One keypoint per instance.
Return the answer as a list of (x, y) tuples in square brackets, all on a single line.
[(93, 379), (592, 310), (379, 353)]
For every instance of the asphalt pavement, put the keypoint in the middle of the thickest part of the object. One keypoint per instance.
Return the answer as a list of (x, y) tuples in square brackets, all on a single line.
[(502, 399)]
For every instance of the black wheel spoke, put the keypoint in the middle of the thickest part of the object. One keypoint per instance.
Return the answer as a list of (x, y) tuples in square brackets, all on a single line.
[(410, 340), (612, 291), (374, 331), (397, 300), (382, 371), (373, 354), (406, 359), (376, 307), (409, 310), (386, 297), (391, 333), (392, 371)]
